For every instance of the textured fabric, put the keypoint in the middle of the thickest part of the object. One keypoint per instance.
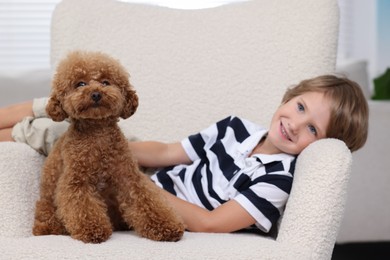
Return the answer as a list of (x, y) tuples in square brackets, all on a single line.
[(20, 168), (222, 169), (127, 245), (194, 67)]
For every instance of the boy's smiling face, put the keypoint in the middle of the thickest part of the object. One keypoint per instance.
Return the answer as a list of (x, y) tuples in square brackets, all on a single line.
[(297, 123)]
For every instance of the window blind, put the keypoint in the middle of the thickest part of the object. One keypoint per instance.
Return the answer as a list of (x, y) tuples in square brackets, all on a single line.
[(25, 33)]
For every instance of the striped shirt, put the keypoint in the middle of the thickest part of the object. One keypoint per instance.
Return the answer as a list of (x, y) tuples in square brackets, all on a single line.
[(222, 170)]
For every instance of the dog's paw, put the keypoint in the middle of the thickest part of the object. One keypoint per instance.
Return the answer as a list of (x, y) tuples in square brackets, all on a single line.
[(93, 233), (43, 228), (46, 222), (164, 231), (172, 235)]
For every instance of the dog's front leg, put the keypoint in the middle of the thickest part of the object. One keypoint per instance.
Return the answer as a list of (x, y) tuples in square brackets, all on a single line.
[(46, 221), (144, 209), (82, 209)]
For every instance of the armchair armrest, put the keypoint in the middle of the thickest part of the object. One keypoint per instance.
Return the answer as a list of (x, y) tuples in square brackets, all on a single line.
[(20, 168), (315, 208)]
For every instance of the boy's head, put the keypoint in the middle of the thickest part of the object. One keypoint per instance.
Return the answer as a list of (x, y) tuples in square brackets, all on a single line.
[(349, 108)]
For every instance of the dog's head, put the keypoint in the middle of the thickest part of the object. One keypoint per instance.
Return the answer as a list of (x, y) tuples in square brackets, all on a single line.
[(91, 85)]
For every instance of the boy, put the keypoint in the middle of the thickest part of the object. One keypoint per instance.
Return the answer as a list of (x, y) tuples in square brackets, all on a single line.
[(236, 174)]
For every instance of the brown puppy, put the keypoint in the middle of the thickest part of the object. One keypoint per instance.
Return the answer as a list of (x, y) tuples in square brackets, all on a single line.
[(90, 183)]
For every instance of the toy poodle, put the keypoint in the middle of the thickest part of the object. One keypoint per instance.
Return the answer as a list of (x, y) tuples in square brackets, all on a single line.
[(90, 184)]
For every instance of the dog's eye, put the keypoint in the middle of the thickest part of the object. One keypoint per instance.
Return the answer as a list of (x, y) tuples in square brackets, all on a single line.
[(81, 84), (106, 83)]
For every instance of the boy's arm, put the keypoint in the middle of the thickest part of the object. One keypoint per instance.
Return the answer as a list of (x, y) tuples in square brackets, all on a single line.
[(157, 154), (228, 217)]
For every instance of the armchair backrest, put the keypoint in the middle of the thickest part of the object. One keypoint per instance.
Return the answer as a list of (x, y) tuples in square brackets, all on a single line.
[(194, 67)]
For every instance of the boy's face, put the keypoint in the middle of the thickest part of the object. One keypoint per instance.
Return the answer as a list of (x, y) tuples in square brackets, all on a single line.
[(299, 122)]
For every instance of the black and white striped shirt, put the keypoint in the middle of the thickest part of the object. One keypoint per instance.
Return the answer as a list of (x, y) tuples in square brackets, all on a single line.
[(221, 171)]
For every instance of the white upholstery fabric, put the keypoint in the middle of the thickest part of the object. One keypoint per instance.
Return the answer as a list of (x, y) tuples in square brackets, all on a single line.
[(191, 68), (194, 67)]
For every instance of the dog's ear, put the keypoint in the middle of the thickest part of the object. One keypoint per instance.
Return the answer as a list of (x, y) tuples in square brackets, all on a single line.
[(54, 110), (131, 102)]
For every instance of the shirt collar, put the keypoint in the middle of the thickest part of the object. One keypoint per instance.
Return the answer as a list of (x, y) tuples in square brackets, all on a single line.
[(268, 158), (246, 147)]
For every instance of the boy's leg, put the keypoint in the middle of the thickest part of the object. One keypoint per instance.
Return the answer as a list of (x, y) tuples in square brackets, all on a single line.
[(39, 133), (37, 130), (28, 123), (12, 114), (6, 135)]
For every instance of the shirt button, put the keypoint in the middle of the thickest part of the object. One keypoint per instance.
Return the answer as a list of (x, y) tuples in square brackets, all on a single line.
[(248, 164)]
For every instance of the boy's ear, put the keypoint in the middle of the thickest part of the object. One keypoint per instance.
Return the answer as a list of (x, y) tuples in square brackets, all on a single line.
[(54, 110)]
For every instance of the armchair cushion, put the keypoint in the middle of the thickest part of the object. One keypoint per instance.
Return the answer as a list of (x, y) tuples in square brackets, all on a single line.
[(20, 168), (308, 229)]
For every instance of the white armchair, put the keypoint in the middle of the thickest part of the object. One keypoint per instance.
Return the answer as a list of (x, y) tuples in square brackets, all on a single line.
[(191, 68)]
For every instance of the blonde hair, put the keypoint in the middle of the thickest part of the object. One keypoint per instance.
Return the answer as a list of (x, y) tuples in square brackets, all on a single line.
[(349, 110)]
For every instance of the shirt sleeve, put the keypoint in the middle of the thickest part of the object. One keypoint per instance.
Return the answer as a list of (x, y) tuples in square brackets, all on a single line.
[(195, 145), (265, 200)]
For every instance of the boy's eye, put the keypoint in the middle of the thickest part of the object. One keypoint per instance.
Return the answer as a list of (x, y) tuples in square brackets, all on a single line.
[(313, 130), (106, 83), (81, 84), (300, 107)]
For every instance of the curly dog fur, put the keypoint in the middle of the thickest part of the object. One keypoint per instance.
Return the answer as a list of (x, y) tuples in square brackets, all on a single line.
[(90, 184)]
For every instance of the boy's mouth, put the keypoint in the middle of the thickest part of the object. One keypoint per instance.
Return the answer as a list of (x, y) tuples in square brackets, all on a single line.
[(284, 132)]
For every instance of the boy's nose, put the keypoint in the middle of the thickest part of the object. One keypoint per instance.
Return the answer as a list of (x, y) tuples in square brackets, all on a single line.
[(293, 127), (296, 124)]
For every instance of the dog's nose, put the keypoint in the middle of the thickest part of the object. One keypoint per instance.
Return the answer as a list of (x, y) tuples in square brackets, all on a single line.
[(96, 96)]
